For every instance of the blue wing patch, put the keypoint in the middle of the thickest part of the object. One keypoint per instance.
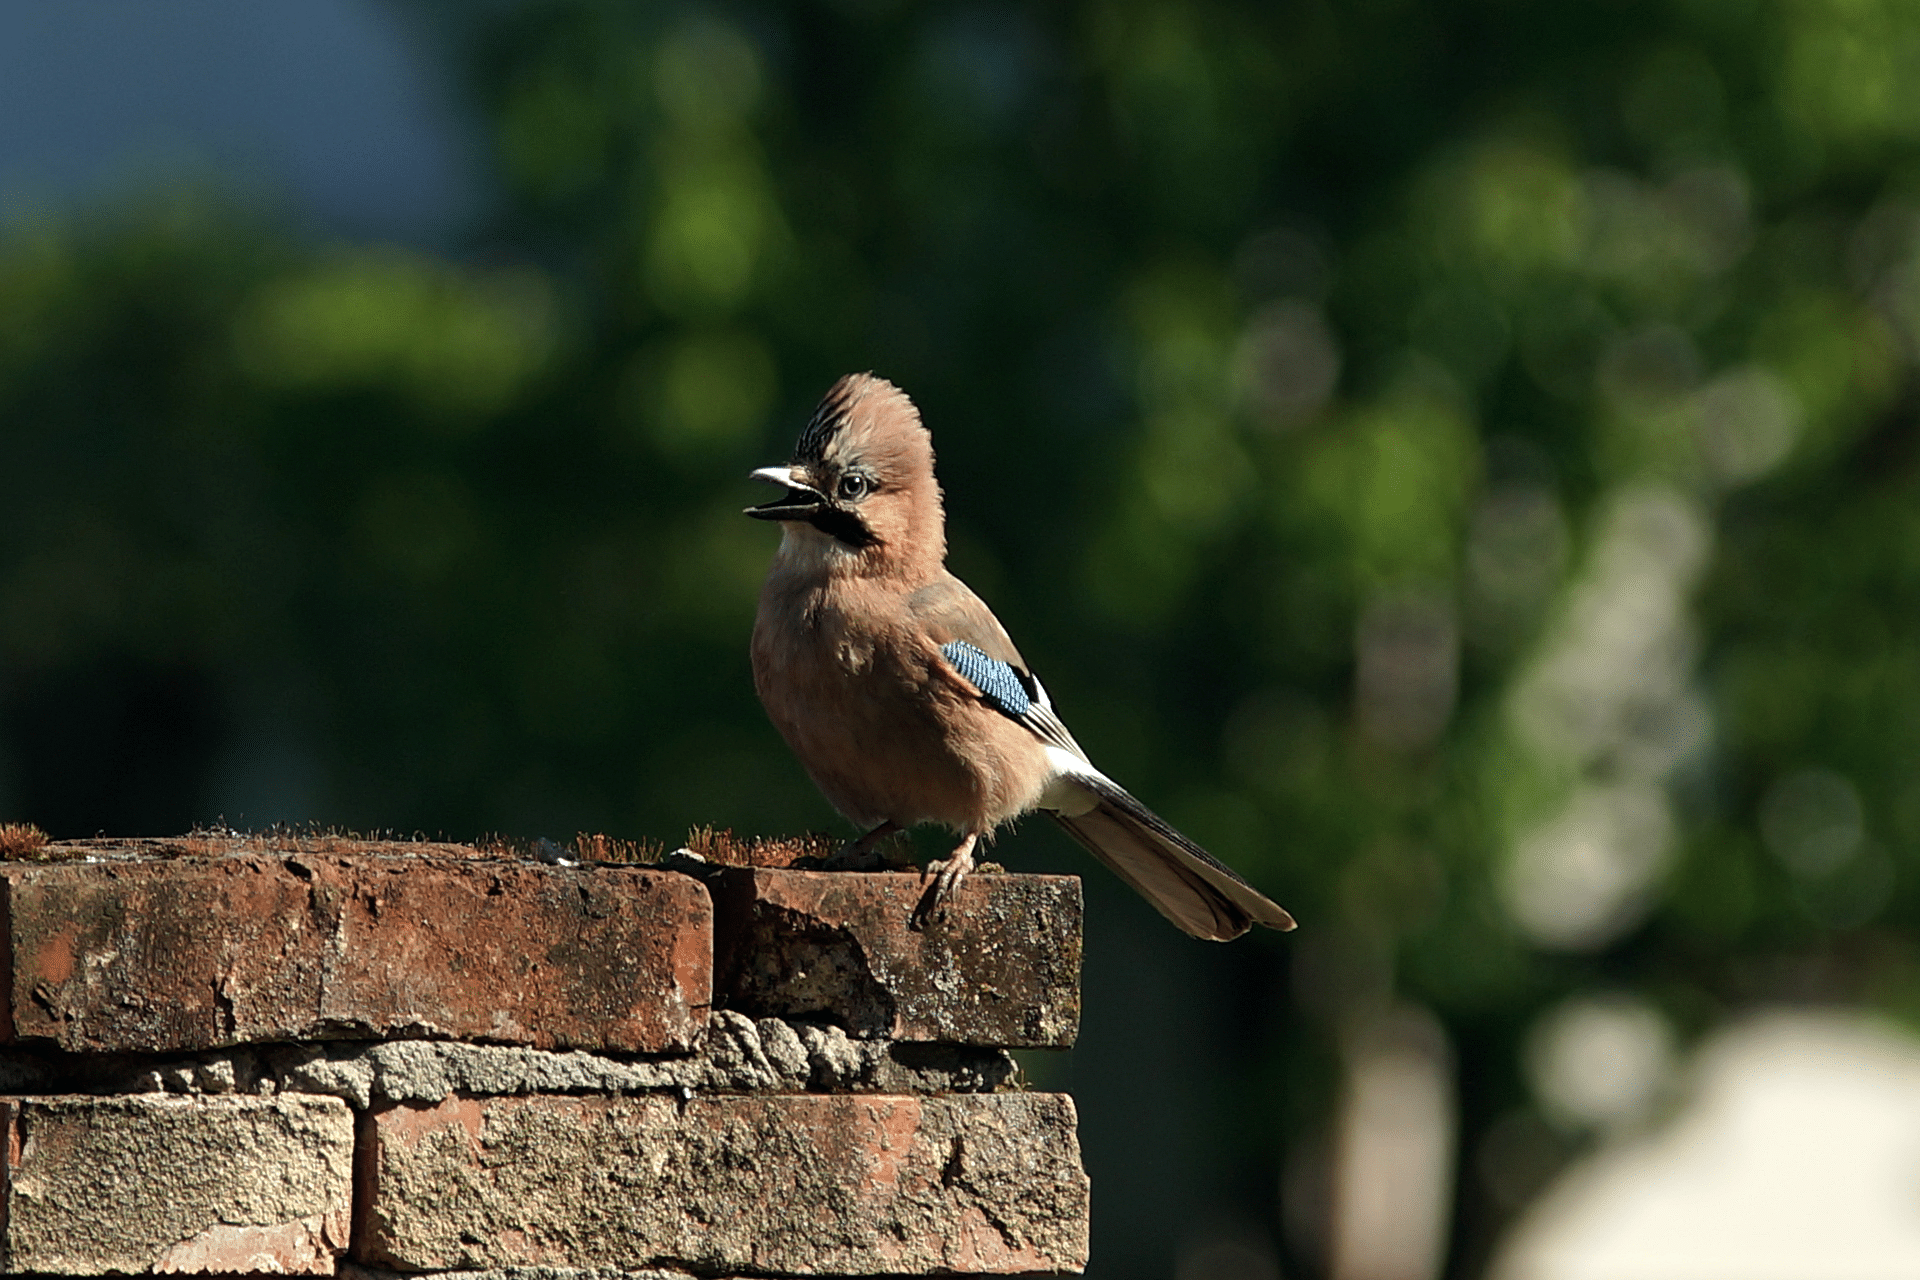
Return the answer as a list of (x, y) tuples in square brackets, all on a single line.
[(997, 681)]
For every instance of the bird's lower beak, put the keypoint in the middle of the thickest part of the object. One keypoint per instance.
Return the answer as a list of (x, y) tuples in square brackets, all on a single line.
[(798, 502)]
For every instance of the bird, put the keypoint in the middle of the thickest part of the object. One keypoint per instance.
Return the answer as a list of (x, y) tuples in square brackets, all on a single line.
[(904, 698)]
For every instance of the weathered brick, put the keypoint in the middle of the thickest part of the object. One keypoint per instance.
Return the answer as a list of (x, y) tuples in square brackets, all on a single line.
[(841, 1185), (164, 1184), (196, 953), (1000, 966)]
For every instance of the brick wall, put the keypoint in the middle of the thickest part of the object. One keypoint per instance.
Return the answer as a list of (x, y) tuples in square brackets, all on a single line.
[(320, 1056)]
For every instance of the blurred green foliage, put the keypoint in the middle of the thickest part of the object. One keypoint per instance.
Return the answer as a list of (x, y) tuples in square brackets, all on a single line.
[(1457, 460)]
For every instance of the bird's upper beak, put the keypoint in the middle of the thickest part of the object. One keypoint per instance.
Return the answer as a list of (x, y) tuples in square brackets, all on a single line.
[(798, 502)]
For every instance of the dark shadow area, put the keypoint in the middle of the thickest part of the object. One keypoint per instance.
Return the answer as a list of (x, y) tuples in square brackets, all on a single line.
[(114, 746)]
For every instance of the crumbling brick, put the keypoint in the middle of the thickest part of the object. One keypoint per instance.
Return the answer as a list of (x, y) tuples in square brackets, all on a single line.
[(999, 966), (163, 1184), (545, 1087), (796, 1184)]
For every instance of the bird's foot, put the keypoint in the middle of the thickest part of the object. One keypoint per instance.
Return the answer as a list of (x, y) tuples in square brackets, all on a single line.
[(867, 853), (947, 876)]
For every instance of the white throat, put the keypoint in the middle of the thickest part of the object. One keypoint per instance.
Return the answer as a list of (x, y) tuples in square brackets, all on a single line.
[(804, 549)]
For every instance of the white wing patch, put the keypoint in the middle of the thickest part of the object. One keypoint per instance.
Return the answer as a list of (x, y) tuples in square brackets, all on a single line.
[(1064, 793)]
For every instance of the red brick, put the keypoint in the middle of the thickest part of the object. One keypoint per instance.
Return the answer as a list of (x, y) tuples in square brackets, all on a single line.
[(196, 953), (794, 1184), (999, 967)]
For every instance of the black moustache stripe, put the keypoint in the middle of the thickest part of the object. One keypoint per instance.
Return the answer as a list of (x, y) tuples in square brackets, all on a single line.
[(844, 526)]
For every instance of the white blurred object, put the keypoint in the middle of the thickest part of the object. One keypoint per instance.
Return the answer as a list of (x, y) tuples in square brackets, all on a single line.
[(1611, 696), (1612, 683), (1745, 425), (1797, 1158), (1581, 879), (1600, 1060), (1393, 1153)]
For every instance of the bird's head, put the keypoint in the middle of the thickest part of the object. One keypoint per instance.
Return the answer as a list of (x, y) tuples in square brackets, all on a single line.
[(860, 483)]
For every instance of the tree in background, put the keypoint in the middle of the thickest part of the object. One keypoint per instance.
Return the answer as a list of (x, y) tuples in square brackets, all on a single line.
[(1457, 460)]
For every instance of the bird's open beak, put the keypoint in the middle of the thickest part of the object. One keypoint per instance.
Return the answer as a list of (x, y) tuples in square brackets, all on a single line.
[(798, 502)]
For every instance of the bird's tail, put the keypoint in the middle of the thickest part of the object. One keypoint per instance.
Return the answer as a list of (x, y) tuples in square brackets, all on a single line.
[(1184, 882)]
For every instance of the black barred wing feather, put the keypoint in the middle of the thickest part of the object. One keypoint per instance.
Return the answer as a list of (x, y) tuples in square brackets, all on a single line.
[(974, 643), (1012, 692), (997, 681)]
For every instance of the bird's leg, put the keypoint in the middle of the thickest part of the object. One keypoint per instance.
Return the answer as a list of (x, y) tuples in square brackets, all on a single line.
[(947, 878), (857, 854), (870, 839)]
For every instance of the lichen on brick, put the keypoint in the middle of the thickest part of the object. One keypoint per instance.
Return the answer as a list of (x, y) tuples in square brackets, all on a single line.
[(545, 1091), (185, 954), (179, 1184), (865, 1185), (1001, 966)]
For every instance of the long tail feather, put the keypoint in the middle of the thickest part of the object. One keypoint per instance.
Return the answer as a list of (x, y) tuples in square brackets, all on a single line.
[(1185, 883)]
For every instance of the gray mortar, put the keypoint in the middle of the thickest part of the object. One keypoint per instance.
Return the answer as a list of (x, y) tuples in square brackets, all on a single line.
[(738, 1055)]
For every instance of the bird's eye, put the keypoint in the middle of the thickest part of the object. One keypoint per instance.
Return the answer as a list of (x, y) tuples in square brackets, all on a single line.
[(853, 488)]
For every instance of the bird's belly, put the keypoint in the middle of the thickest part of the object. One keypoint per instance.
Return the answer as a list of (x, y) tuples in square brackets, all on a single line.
[(886, 743), (877, 773)]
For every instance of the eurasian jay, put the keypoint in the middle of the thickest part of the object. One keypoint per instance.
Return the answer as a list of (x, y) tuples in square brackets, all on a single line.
[(902, 695)]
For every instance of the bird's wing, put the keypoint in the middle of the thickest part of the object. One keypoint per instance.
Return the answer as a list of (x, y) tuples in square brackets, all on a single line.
[(978, 651), (1185, 883)]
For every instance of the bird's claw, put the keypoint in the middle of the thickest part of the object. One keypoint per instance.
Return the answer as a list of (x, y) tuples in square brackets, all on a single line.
[(947, 875)]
